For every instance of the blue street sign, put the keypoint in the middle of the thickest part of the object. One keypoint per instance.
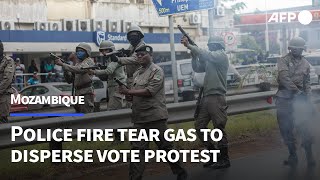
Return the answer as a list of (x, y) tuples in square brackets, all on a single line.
[(168, 7)]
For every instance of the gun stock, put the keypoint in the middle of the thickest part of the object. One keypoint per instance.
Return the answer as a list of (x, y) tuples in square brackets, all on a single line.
[(186, 35)]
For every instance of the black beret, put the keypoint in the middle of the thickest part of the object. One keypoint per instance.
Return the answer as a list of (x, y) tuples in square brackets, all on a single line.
[(146, 48)]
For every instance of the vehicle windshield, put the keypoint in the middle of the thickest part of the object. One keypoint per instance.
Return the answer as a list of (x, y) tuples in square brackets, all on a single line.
[(186, 69), (63, 88)]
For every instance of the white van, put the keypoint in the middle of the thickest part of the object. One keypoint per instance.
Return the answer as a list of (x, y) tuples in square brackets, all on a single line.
[(184, 76), (189, 81)]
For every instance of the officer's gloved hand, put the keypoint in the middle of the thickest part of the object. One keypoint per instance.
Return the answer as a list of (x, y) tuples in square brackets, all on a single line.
[(114, 58)]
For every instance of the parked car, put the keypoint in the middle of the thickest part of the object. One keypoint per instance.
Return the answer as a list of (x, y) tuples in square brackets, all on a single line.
[(99, 89), (61, 89), (18, 107)]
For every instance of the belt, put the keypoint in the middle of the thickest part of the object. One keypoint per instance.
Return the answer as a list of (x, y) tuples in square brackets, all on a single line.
[(84, 86)]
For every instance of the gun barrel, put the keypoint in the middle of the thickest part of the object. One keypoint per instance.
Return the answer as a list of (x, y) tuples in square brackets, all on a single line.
[(120, 83), (55, 56), (92, 67), (186, 35)]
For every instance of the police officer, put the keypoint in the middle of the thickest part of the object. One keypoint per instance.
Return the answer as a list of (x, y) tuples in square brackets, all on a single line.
[(135, 37), (213, 105), (293, 91), (82, 81), (149, 110), (7, 71), (113, 70)]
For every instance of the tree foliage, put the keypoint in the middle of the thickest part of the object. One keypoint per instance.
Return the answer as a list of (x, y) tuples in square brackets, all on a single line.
[(236, 6)]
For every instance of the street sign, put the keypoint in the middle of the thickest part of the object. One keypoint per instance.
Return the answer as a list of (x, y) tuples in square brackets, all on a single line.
[(229, 38), (169, 7)]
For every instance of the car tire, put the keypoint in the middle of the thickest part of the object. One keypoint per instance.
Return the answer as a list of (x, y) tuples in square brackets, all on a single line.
[(188, 96)]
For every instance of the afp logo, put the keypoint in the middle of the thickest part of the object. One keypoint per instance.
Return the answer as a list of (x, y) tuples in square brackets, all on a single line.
[(304, 17), (99, 37)]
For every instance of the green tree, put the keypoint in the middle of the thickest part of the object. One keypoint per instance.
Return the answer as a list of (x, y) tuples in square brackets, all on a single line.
[(249, 42), (236, 6)]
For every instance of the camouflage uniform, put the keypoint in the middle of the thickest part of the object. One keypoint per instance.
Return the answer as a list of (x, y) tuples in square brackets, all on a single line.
[(114, 70), (7, 71), (213, 105), (293, 108), (83, 83), (150, 113), (293, 77), (131, 61)]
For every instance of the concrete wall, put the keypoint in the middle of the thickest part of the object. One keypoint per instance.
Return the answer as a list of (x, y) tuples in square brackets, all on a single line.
[(26, 10)]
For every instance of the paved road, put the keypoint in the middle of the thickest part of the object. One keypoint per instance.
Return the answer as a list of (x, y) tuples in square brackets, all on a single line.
[(262, 166)]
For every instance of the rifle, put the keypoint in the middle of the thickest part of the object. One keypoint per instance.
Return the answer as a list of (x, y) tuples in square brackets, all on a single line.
[(120, 53), (55, 56), (196, 112), (120, 83), (95, 67), (186, 35)]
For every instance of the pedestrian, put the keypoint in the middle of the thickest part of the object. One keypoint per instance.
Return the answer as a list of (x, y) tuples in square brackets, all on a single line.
[(7, 71), (149, 110), (294, 112), (32, 68), (82, 80), (213, 104), (33, 79), (20, 68)]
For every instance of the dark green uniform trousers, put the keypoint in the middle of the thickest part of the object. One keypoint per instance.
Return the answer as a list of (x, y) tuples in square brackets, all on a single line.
[(136, 169)]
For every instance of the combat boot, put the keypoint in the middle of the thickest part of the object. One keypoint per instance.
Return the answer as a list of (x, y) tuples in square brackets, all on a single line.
[(210, 162), (182, 175), (292, 159), (223, 160), (309, 156)]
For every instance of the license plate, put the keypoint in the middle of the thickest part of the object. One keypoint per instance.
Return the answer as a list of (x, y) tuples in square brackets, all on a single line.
[(187, 83)]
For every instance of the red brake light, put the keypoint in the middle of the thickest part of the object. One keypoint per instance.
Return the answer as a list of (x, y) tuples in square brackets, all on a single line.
[(180, 82), (269, 100)]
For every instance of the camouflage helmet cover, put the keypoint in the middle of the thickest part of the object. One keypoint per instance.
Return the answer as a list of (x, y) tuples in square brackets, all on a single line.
[(85, 47), (135, 28), (216, 40), (297, 42), (107, 45)]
